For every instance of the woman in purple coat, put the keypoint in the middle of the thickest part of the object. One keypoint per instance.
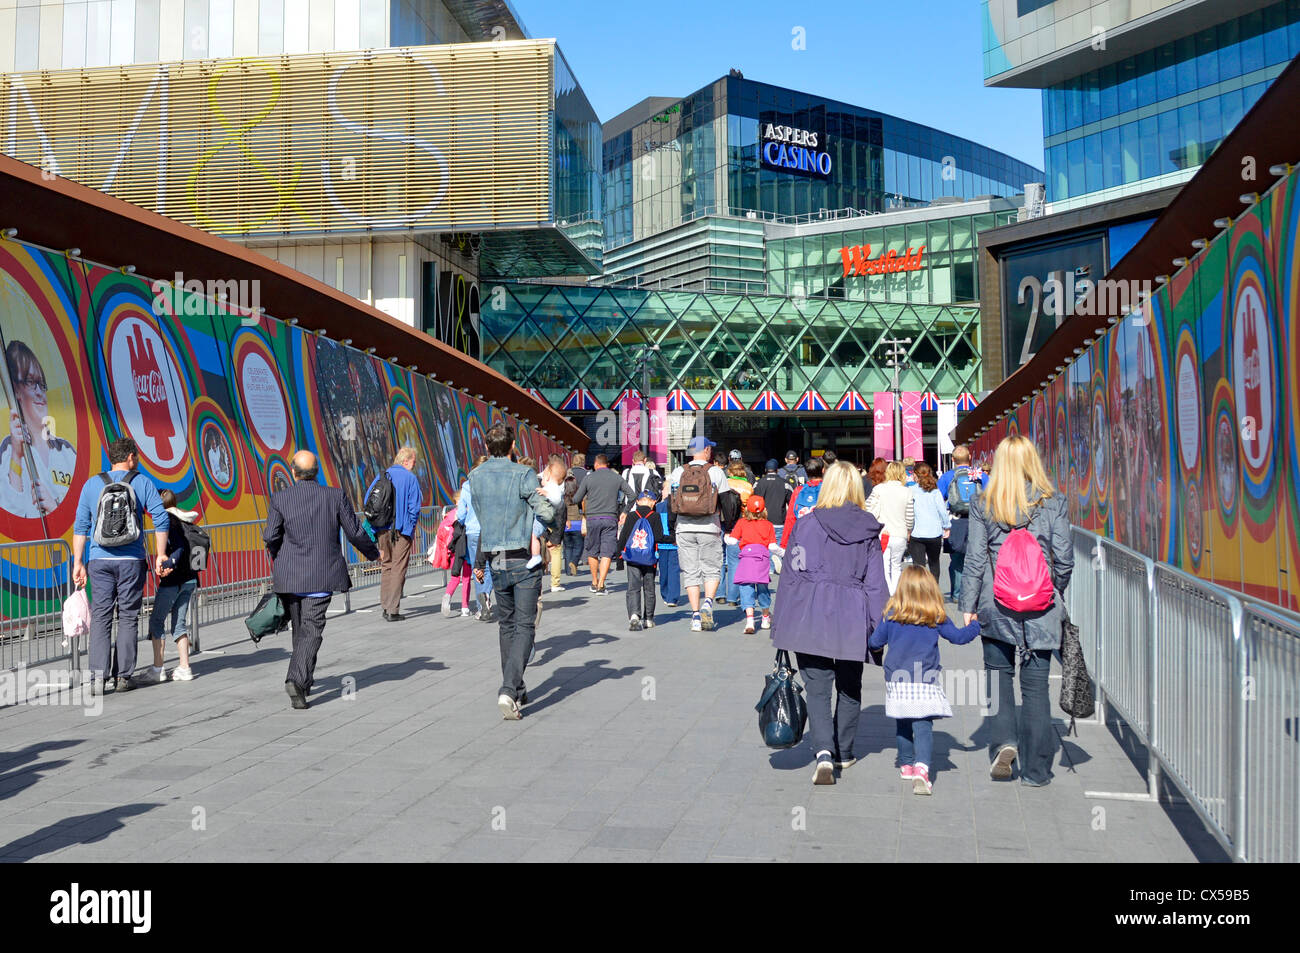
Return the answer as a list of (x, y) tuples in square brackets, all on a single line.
[(832, 596)]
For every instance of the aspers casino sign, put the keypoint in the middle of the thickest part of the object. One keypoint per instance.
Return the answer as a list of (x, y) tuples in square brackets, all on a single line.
[(799, 151)]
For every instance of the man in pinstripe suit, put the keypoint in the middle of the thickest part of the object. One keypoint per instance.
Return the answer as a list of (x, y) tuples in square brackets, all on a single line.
[(307, 565)]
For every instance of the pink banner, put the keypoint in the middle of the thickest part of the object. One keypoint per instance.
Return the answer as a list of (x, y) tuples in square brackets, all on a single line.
[(913, 446), (658, 428), (882, 406), (630, 420)]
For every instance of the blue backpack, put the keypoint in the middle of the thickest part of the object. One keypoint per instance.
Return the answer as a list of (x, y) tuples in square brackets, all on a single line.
[(806, 499), (961, 490), (640, 549)]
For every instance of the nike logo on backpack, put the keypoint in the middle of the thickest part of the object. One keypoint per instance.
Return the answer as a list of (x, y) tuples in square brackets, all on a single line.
[(1023, 598)]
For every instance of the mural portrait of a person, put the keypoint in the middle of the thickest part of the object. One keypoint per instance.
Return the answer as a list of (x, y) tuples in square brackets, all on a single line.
[(36, 466)]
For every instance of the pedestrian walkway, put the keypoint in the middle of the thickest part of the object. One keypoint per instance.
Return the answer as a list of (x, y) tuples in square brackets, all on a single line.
[(635, 746)]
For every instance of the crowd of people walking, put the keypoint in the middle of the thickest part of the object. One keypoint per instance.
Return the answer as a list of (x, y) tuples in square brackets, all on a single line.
[(837, 538)]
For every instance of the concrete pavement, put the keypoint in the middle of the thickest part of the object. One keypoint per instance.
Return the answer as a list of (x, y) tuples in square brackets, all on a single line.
[(635, 747)]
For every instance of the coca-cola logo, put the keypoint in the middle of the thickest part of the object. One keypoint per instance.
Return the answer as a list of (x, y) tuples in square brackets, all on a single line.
[(149, 387)]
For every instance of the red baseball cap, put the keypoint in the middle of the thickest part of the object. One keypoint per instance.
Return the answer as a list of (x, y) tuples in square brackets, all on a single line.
[(755, 504)]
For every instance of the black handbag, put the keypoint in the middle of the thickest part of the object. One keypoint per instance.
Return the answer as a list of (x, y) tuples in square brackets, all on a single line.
[(782, 712), (1078, 694), (268, 618)]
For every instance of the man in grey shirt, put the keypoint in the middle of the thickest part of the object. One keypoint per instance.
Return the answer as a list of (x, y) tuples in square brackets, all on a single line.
[(603, 492)]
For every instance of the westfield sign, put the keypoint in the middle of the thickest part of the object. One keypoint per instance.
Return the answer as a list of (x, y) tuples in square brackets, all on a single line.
[(858, 261)]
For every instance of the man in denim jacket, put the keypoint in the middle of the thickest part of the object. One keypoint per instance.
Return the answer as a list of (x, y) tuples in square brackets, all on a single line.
[(507, 497)]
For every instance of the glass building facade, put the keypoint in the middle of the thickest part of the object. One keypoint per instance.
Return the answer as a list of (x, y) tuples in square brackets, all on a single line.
[(1164, 110), (813, 265), (703, 155), (556, 338)]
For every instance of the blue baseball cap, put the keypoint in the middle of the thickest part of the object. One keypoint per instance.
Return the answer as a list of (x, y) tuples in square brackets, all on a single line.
[(699, 443)]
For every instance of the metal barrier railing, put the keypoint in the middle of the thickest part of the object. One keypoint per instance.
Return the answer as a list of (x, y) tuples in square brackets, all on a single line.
[(1268, 775), (1209, 681), (37, 579)]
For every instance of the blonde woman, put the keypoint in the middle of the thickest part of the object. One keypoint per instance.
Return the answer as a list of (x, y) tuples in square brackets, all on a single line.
[(1019, 494), (832, 596), (893, 504)]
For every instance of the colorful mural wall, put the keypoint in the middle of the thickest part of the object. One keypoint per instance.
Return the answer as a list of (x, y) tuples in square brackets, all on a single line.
[(1175, 433), (216, 402)]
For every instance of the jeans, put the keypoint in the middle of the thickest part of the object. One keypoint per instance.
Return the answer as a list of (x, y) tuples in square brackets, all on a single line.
[(822, 676), (115, 583), (925, 550), (483, 588), (956, 563), (1032, 732), (751, 591), (573, 550), (730, 559), (173, 600), (517, 590), (670, 576), (922, 750), (641, 591)]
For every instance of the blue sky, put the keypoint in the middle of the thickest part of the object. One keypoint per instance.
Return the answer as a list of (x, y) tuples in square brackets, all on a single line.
[(917, 59)]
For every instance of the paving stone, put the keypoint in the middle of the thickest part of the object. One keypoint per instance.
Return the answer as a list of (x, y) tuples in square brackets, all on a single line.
[(418, 765)]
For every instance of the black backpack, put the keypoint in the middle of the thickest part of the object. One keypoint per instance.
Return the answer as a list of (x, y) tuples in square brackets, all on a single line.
[(199, 544), (729, 508), (381, 503), (117, 515), (650, 479)]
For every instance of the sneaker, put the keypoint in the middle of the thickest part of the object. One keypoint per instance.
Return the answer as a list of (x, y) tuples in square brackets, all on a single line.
[(721, 600), (509, 708), (594, 590), (749, 626), (537, 617), (126, 684), (602, 591), (1035, 784), (696, 624), (647, 623), (96, 685), (182, 675), (843, 763), (633, 623), (556, 587), (1000, 769), (921, 780), (447, 610), (907, 772), (464, 612), (706, 615), (767, 620), (152, 676), (825, 771)]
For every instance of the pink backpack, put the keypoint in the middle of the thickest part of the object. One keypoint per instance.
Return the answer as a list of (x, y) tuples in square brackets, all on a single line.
[(1022, 581)]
